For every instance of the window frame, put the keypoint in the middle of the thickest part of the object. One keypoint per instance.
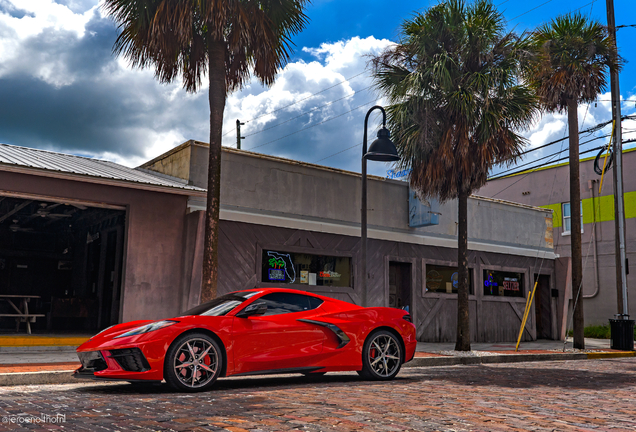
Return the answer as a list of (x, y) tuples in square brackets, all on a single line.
[(564, 217), (263, 298), (523, 279), (308, 251), (425, 293), (488, 298)]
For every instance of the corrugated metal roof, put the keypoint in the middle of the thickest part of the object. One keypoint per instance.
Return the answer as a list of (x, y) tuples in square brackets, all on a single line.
[(70, 164)]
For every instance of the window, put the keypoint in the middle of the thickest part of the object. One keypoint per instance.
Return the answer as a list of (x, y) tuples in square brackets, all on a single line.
[(305, 269), (282, 303), (504, 284), (222, 305), (445, 279), (567, 218)]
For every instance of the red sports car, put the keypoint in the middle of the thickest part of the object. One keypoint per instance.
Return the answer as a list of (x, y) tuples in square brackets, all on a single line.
[(253, 332)]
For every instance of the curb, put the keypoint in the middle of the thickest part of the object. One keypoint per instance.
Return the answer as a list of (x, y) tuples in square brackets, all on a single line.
[(37, 378), (604, 355), (66, 376), (512, 358)]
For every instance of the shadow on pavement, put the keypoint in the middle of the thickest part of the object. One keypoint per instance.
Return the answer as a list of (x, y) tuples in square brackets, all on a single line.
[(517, 377), (238, 383)]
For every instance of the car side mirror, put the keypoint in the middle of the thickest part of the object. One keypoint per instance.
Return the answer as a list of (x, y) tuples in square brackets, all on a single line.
[(258, 308)]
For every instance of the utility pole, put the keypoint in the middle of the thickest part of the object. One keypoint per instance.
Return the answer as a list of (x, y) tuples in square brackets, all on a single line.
[(238, 134), (619, 204)]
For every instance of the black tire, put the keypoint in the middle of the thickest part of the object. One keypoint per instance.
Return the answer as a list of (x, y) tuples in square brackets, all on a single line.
[(379, 361), (185, 372)]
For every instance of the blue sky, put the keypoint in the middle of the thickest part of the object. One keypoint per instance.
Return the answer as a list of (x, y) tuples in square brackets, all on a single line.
[(61, 88)]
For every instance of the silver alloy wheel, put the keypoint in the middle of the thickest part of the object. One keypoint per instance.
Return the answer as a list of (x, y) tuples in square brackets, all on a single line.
[(196, 362), (384, 355)]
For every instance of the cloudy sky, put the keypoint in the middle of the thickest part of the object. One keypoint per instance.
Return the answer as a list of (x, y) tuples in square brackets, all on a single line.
[(62, 89)]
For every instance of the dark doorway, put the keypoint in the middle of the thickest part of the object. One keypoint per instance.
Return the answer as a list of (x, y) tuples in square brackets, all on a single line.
[(67, 258), (400, 285), (542, 307)]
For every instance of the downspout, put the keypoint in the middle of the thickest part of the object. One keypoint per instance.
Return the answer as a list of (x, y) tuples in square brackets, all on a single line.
[(596, 281)]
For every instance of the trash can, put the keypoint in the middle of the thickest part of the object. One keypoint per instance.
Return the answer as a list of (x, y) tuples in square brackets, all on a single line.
[(622, 334)]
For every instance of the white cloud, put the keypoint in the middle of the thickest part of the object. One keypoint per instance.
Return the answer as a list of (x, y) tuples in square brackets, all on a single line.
[(551, 127), (304, 95), (30, 18), (62, 89)]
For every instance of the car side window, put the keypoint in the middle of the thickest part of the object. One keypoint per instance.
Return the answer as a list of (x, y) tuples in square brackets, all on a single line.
[(282, 303)]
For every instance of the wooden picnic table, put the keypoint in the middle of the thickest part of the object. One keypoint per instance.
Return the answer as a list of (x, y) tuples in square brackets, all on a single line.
[(21, 313)]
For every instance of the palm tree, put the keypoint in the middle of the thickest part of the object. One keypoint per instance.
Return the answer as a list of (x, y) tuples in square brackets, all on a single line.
[(569, 67), (228, 40), (456, 107)]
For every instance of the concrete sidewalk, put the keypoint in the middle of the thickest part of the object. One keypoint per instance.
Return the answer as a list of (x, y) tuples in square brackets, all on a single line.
[(443, 354), (54, 364)]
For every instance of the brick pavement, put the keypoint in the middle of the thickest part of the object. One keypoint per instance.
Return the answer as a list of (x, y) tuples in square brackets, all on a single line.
[(595, 395)]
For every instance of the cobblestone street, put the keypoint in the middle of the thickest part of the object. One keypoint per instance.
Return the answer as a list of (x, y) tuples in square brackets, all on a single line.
[(544, 396)]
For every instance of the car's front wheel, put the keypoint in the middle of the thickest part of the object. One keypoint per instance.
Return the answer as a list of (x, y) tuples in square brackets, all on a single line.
[(381, 356), (193, 362)]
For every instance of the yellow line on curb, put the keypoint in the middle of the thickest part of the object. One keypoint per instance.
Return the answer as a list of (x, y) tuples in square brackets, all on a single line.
[(18, 341), (602, 355)]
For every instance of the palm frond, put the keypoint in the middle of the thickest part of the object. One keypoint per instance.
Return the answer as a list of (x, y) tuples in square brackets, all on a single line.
[(457, 100), (174, 36)]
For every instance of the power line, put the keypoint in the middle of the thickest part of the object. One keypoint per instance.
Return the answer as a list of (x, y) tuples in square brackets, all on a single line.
[(585, 5), (347, 149), (512, 170), (304, 99), (314, 125), (537, 7), (307, 112), (341, 151), (509, 173), (308, 97), (588, 131)]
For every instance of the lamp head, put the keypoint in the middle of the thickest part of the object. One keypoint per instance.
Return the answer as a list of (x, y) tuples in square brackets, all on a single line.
[(382, 149)]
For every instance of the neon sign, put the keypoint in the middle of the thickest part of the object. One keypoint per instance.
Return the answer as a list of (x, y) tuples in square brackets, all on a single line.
[(511, 284), (329, 274), (490, 282), (281, 267)]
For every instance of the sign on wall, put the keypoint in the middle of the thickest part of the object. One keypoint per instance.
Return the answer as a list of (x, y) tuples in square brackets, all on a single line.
[(422, 212)]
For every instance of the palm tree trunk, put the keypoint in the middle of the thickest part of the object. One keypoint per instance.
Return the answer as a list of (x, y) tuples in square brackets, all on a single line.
[(575, 223), (217, 94), (463, 324)]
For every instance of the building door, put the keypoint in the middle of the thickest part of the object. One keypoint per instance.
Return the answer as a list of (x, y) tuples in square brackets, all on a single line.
[(400, 285), (542, 307)]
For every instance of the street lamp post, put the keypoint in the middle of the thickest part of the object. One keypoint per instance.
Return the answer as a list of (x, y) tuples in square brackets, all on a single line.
[(383, 150)]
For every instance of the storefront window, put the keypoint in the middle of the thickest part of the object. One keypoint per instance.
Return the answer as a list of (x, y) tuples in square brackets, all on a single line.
[(505, 284), (445, 279), (306, 269)]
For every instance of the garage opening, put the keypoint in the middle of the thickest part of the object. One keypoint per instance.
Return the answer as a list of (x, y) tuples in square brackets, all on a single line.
[(60, 266)]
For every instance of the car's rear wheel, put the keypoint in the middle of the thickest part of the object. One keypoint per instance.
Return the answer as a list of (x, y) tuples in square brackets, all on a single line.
[(193, 362), (381, 356)]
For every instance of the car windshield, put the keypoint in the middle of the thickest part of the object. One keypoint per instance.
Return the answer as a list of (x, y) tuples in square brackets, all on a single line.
[(222, 305)]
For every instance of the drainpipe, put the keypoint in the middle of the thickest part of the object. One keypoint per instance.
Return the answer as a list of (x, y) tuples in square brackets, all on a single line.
[(590, 184)]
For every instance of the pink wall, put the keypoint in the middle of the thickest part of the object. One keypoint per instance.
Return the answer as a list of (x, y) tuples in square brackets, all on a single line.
[(152, 271)]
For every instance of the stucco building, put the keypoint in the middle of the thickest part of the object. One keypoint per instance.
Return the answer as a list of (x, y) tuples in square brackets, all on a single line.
[(122, 244), (305, 219), (549, 188)]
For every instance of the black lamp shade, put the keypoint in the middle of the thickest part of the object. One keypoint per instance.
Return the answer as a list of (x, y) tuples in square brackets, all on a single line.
[(382, 149)]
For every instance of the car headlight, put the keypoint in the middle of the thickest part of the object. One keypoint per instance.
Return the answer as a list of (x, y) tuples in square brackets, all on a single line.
[(147, 328)]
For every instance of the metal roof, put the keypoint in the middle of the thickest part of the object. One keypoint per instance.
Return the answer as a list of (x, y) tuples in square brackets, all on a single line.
[(77, 165)]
